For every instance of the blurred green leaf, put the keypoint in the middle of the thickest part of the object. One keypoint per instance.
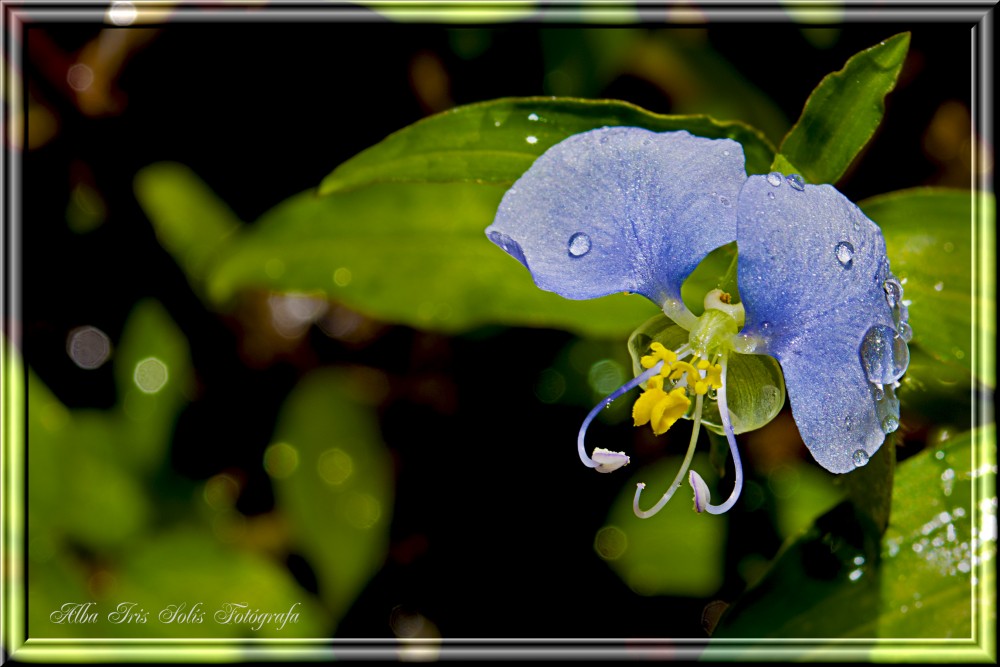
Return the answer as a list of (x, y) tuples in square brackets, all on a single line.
[(190, 220), (415, 254), (928, 234), (822, 585), (676, 552), (843, 112), (150, 344), (495, 142), (175, 577), (333, 479), (77, 487)]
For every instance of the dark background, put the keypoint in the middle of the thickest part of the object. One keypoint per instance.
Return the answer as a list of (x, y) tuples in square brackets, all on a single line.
[(262, 112)]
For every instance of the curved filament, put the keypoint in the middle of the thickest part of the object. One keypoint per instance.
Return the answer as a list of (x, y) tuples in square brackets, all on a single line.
[(634, 382), (678, 480), (699, 486)]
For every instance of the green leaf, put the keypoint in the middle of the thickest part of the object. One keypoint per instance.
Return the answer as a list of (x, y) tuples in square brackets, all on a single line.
[(191, 222), (843, 112), (676, 552), (333, 479), (928, 234), (495, 142), (414, 254), (822, 585), (151, 344), (68, 451)]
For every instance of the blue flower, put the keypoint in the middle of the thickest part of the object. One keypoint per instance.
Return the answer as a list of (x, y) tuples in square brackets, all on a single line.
[(628, 210)]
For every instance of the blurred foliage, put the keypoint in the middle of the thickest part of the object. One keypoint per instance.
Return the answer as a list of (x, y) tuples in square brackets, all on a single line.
[(102, 532)]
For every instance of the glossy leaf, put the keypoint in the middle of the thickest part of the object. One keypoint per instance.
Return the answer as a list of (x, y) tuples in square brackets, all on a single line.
[(843, 112), (333, 480), (408, 253), (190, 220), (495, 142), (822, 585), (928, 233)]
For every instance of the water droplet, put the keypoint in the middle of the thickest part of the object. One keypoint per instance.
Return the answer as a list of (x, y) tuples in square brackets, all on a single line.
[(531, 140), (860, 458), (879, 392), (496, 123), (765, 327), (604, 139), (905, 331), (726, 153), (884, 355), (770, 195), (938, 287), (845, 254), (579, 245), (890, 424), (857, 225), (532, 116), (724, 201), (774, 178), (796, 182), (893, 292)]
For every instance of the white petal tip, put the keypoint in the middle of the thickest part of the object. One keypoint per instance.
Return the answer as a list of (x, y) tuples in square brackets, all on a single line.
[(702, 496), (608, 460)]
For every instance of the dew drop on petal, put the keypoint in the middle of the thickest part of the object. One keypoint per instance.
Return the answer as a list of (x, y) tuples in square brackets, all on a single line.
[(796, 182), (845, 254), (905, 332), (860, 458), (774, 178), (724, 201), (893, 292), (884, 355), (579, 245), (879, 392), (770, 195), (890, 424)]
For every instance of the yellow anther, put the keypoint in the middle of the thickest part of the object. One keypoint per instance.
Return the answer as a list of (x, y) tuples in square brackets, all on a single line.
[(659, 353), (679, 368), (659, 408)]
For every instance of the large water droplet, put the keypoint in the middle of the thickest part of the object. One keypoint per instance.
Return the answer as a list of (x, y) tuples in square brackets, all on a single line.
[(845, 254), (860, 458), (796, 182), (884, 355), (774, 178), (890, 424), (579, 245), (893, 292)]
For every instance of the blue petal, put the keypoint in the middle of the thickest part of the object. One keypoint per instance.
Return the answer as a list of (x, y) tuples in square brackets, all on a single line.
[(622, 209), (813, 279)]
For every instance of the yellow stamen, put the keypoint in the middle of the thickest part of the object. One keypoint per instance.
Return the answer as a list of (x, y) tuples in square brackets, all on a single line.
[(660, 409), (659, 353)]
